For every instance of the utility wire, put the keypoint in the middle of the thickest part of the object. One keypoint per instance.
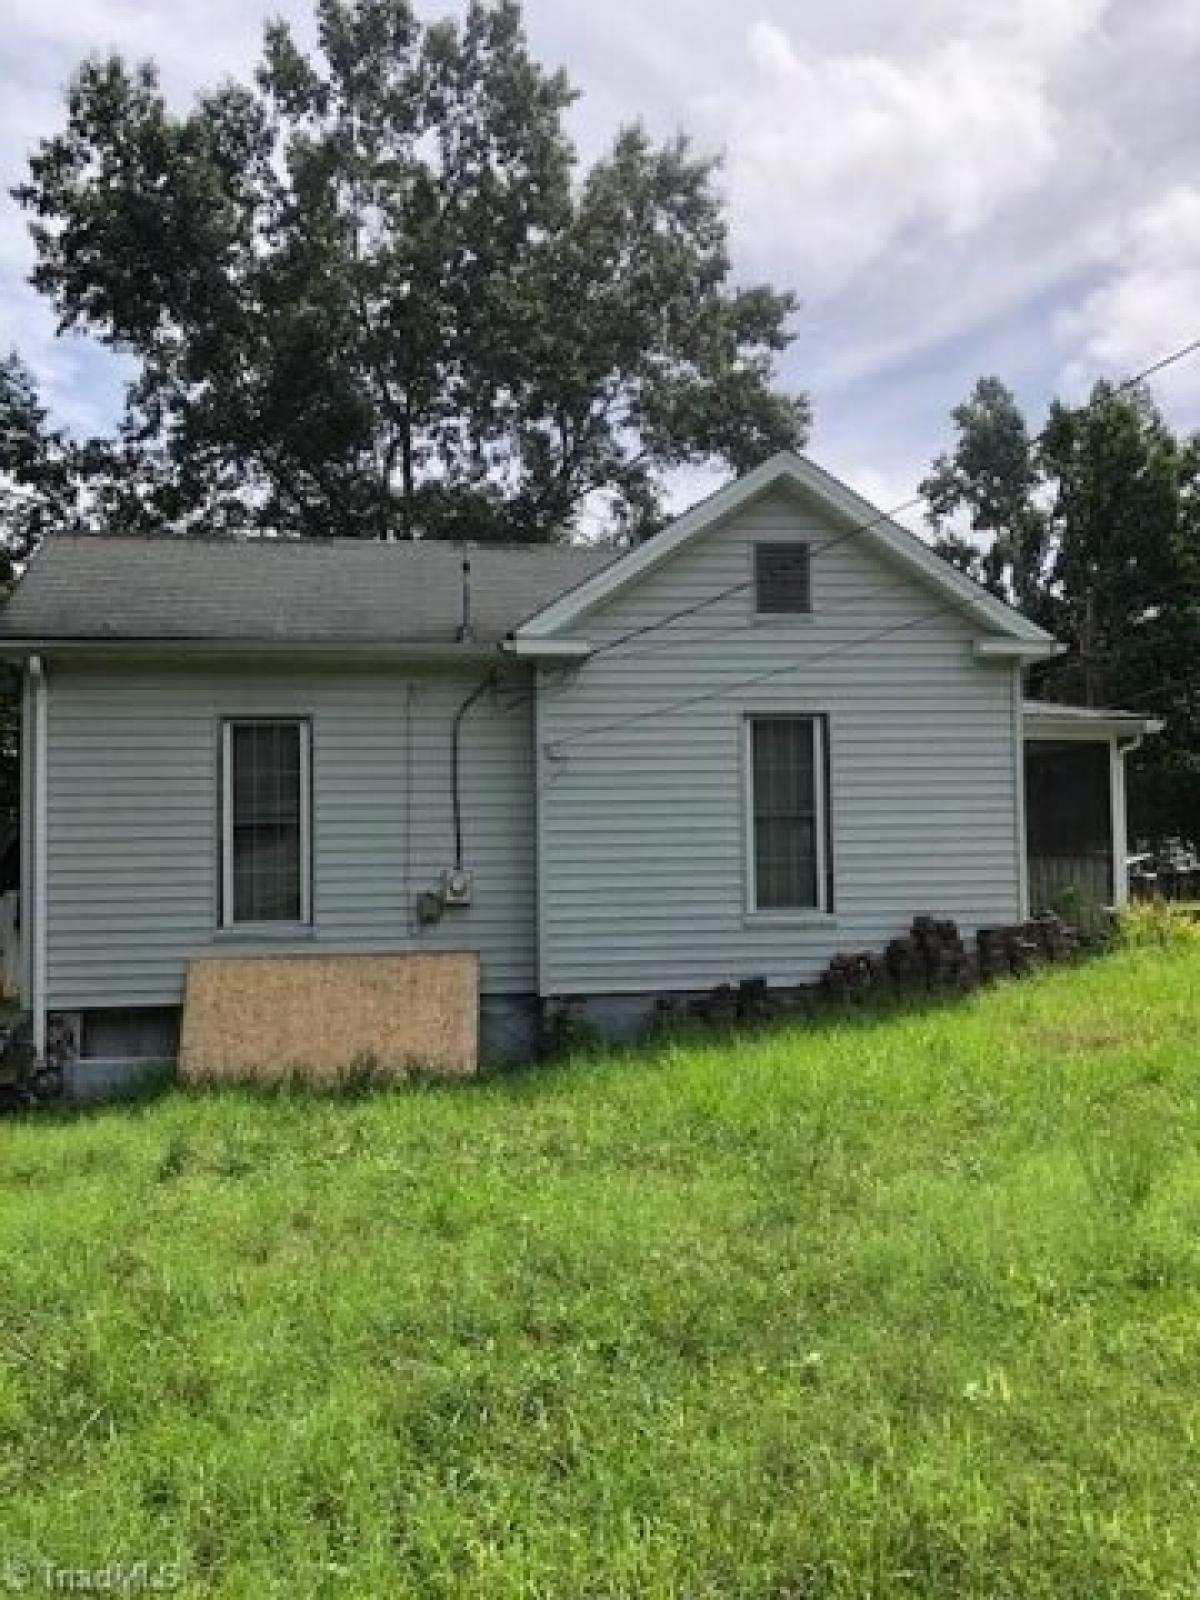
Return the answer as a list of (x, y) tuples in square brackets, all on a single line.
[(748, 583), (580, 735), (1180, 354), (672, 616), (1155, 366), (707, 635), (555, 747)]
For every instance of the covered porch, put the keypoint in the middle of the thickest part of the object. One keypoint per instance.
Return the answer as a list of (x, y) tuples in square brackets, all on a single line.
[(1075, 817)]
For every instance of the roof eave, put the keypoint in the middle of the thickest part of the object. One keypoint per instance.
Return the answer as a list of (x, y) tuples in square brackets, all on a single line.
[(992, 649), (548, 649), (1057, 729), (18, 647)]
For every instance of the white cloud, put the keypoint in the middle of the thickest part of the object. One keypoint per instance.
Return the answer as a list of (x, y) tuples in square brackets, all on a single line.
[(1147, 305), (936, 181), (192, 41), (836, 160), (889, 492)]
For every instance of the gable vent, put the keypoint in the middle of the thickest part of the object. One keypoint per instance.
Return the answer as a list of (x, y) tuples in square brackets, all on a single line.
[(782, 580)]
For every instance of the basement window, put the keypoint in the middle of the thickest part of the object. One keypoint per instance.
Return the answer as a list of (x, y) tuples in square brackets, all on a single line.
[(266, 875), (787, 805), (782, 579)]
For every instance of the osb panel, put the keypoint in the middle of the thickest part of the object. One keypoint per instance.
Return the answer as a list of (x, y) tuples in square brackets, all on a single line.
[(323, 1018)]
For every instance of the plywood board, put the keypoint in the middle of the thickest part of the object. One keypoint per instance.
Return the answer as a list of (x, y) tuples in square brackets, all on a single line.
[(325, 1018)]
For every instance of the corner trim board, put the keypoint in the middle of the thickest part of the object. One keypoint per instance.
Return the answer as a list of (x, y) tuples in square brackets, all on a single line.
[(41, 697)]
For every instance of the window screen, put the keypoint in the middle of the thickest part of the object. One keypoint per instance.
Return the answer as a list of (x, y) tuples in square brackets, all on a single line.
[(781, 578), (787, 783), (265, 875)]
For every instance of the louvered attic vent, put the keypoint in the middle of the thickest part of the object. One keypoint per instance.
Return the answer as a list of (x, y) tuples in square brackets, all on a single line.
[(781, 579)]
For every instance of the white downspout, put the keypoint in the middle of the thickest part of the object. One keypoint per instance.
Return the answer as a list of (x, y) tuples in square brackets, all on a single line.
[(37, 674)]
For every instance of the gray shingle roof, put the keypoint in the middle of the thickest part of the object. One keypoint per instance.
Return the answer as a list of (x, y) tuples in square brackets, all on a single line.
[(95, 587)]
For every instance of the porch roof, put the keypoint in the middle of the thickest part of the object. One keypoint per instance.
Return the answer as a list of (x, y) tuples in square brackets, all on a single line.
[(1051, 720)]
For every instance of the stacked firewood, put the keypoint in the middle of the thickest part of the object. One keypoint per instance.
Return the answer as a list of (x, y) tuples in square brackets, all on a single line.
[(1004, 951), (931, 954), (1024, 945), (856, 973), (750, 1001), (1058, 940)]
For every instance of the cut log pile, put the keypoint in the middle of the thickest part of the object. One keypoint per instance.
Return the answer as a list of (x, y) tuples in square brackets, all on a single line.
[(858, 973), (750, 1001), (1018, 949), (932, 955)]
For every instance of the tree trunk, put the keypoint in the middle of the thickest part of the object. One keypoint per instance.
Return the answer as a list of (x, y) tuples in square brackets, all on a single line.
[(406, 474)]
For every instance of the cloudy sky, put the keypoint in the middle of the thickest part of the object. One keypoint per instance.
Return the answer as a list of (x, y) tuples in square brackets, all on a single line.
[(953, 187)]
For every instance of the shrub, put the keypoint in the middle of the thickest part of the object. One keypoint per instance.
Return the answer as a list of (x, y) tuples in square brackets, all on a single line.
[(1082, 911), (1154, 925)]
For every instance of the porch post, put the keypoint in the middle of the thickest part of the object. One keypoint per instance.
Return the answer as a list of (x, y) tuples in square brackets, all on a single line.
[(1020, 823), (1120, 842)]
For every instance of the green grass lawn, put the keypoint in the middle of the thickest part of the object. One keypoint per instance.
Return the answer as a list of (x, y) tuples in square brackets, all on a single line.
[(902, 1305)]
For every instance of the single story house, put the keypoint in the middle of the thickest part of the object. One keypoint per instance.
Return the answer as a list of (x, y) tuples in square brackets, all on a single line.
[(775, 730)]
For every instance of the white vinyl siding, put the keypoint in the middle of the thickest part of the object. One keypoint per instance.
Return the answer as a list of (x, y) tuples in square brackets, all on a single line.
[(642, 828), (135, 819)]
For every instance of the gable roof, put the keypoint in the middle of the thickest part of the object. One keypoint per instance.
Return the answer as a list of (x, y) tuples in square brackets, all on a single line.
[(91, 588), (121, 589), (860, 519)]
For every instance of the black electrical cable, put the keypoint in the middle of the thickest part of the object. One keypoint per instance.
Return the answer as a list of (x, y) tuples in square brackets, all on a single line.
[(476, 693)]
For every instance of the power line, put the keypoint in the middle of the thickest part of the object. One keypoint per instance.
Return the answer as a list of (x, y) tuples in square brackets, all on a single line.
[(1179, 354), (706, 635), (584, 734), (673, 616), (748, 583), (1169, 360), (1156, 366)]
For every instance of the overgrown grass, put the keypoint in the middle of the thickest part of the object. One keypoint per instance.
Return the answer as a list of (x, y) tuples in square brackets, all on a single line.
[(1159, 924), (880, 1307)]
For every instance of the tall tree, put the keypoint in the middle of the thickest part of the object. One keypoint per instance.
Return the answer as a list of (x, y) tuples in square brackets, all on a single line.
[(1092, 526), (37, 479), (372, 292), (992, 476), (37, 495)]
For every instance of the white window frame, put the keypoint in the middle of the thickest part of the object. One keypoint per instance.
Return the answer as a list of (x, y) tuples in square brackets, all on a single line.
[(228, 724), (821, 906)]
